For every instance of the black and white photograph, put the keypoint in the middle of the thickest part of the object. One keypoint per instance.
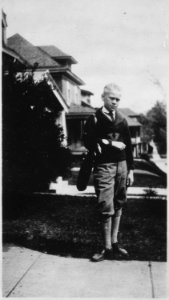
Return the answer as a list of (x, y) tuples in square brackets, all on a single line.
[(84, 148)]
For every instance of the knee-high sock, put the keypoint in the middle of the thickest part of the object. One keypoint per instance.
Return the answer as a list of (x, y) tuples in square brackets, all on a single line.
[(115, 226), (106, 227)]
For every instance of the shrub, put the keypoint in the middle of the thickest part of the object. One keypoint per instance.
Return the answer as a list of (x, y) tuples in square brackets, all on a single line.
[(33, 151)]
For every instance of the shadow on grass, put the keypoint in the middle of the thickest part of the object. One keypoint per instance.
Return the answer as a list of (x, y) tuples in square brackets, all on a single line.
[(53, 246), (68, 226)]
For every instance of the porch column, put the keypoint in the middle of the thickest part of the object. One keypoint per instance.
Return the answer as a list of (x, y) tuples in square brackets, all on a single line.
[(62, 121)]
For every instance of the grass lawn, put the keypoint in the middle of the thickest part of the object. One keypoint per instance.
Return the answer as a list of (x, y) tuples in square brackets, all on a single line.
[(69, 226)]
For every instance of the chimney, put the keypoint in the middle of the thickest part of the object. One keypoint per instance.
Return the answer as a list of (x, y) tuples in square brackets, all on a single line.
[(4, 26)]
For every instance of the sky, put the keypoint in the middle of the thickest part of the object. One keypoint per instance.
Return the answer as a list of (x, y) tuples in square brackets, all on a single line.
[(120, 41)]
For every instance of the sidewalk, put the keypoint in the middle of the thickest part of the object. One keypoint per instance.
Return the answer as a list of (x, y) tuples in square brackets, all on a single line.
[(28, 273)]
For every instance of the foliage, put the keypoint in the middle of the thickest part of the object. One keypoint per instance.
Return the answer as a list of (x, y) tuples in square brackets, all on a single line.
[(157, 118), (154, 126), (33, 154), (147, 130), (150, 192)]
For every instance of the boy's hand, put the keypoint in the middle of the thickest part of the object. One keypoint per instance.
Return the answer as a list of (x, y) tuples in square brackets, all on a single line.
[(130, 177), (116, 144), (119, 145), (105, 142)]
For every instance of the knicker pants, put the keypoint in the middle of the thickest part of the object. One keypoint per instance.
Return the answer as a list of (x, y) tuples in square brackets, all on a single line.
[(110, 186)]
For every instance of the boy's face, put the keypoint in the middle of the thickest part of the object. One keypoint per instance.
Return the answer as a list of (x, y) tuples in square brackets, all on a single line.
[(110, 102)]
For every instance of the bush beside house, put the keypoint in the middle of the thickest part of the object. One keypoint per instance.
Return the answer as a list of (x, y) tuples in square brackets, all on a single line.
[(33, 154)]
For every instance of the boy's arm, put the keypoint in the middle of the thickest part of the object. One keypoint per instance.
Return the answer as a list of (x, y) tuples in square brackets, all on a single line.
[(89, 134)]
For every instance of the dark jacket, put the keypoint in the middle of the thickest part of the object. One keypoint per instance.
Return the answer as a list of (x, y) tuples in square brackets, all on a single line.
[(100, 127)]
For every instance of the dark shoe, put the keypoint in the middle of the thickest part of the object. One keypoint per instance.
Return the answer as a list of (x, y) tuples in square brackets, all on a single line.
[(105, 254), (117, 250)]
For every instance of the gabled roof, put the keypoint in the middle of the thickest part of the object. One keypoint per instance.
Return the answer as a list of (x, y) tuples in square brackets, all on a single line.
[(30, 53), (86, 93), (36, 57), (14, 55), (80, 111), (86, 104), (66, 71), (128, 112), (83, 111), (57, 54), (130, 116), (132, 122)]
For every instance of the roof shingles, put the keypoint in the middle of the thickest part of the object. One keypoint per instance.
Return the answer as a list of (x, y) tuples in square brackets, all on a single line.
[(79, 109), (56, 53), (53, 50), (82, 110), (130, 116), (30, 53)]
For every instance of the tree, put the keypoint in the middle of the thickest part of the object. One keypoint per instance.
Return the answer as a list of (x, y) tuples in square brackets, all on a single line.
[(33, 154), (147, 131), (154, 126), (158, 120)]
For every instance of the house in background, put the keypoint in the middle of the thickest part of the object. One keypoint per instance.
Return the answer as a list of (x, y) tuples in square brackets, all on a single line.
[(73, 102), (20, 56), (58, 66), (40, 63), (86, 96), (135, 130), (134, 127), (76, 117), (69, 85)]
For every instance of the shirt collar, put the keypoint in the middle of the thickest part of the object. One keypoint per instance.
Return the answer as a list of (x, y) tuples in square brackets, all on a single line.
[(105, 111)]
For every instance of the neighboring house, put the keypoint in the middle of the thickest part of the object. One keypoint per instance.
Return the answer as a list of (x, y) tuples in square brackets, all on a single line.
[(57, 64), (86, 96), (78, 115), (69, 85), (76, 118), (15, 57), (42, 65), (67, 81), (135, 130), (134, 126), (73, 103)]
